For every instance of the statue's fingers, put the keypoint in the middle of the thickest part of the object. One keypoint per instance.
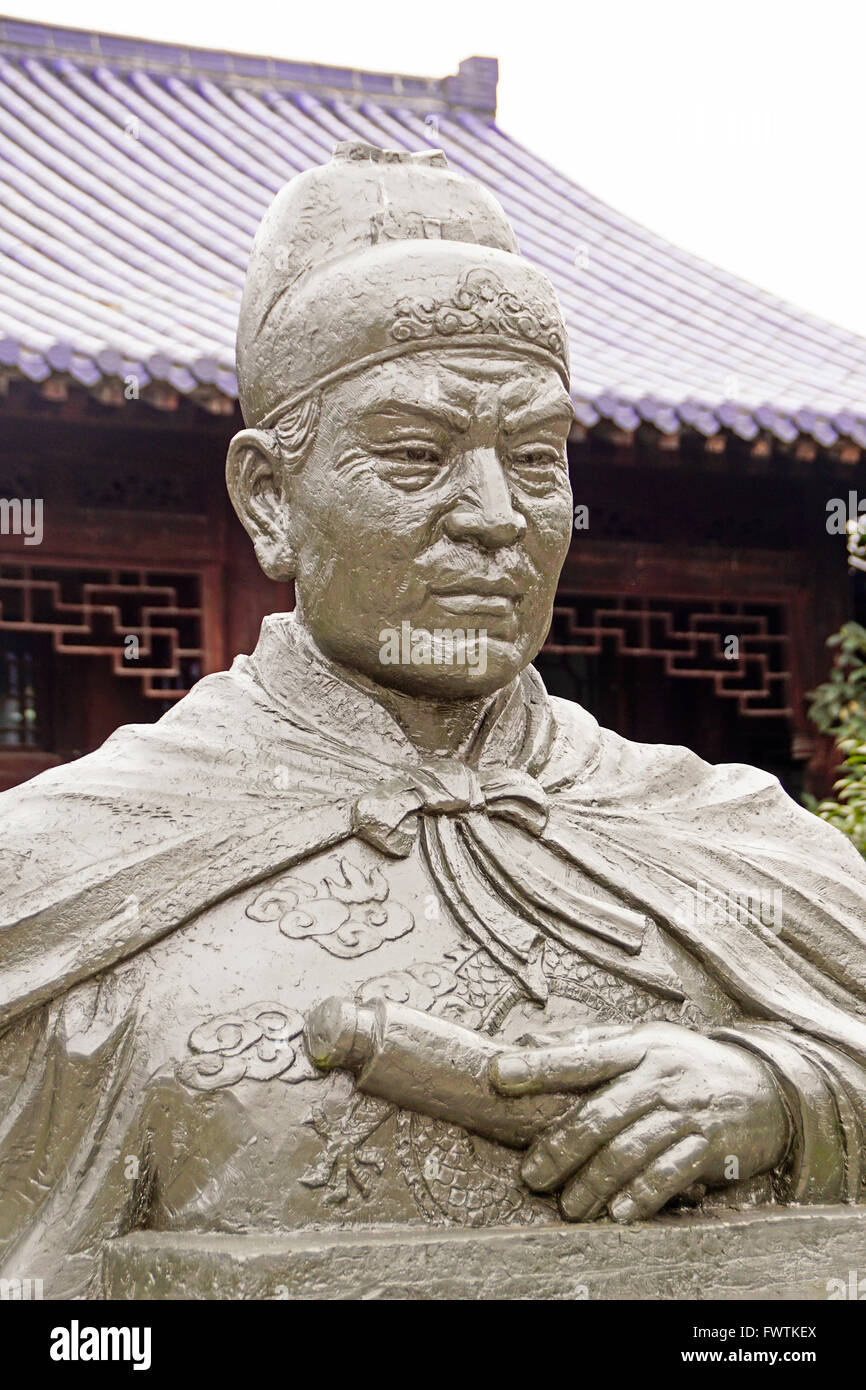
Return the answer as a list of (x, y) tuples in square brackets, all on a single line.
[(564, 1147), (573, 1067), (618, 1162), (669, 1174), (573, 1037)]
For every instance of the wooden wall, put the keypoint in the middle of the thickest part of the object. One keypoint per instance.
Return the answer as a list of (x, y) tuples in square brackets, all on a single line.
[(674, 539)]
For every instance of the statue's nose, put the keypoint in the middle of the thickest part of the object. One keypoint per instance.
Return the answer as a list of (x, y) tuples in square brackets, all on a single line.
[(484, 512)]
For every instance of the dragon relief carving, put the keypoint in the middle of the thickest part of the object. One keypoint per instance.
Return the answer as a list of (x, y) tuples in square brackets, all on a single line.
[(348, 1163), (452, 1177)]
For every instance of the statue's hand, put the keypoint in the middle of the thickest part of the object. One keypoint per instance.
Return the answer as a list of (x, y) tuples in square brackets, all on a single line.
[(678, 1109)]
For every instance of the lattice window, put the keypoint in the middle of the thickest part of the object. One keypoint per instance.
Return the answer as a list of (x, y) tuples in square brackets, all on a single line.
[(691, 638), (20, 725), (148, 622)]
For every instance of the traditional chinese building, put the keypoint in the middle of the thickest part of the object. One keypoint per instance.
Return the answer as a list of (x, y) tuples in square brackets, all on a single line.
[(714, 422)]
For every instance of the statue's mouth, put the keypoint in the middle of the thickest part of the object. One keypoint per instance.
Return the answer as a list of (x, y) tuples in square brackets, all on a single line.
[(475, 594)]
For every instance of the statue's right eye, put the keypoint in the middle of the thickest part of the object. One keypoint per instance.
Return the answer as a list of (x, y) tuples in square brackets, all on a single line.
[(411, 465), (421, 453)]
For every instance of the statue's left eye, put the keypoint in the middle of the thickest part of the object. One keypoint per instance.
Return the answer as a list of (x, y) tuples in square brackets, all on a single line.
[(537, 460), (420, 453), (417, 452)]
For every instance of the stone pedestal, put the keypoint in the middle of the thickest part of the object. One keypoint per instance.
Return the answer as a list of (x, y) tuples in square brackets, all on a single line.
[(772, 1255)]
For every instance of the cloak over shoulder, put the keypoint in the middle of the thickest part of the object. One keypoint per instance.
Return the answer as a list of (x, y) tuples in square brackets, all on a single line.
[(260, 766)]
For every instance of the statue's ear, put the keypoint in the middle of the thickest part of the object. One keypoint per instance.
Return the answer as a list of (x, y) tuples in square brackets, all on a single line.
[(254, 475)]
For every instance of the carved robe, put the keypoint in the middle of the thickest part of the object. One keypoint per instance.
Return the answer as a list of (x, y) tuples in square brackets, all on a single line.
[(174, 903)]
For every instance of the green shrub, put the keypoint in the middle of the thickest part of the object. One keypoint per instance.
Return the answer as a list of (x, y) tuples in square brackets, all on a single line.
[(838, 708)]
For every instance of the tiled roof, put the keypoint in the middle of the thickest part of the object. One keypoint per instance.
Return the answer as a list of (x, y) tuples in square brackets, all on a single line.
[(133, 175)]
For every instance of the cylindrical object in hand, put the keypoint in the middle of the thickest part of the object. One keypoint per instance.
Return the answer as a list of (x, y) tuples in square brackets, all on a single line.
[(425, 1063)]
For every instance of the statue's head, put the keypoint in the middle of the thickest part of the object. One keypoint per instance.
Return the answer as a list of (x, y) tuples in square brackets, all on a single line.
[(403, 373)]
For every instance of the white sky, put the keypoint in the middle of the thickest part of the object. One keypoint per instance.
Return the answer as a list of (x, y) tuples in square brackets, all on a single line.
[(736, 128)]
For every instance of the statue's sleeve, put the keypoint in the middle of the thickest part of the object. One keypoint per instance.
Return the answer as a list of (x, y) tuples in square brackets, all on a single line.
[(65, 1081), (825, 1094)]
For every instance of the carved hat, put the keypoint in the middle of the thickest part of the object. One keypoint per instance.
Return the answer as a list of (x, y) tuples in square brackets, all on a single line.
[(374, 255)]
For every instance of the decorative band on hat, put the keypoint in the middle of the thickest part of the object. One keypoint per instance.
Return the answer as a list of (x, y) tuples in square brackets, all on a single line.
[(480, 311)]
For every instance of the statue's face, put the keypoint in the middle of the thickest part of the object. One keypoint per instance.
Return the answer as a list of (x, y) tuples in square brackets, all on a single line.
[(436, 495)]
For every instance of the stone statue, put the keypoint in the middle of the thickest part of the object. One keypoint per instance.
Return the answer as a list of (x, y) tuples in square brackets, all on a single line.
[(370, 929)]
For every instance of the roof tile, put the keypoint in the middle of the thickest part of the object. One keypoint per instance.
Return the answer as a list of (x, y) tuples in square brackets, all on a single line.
[(133, 174)]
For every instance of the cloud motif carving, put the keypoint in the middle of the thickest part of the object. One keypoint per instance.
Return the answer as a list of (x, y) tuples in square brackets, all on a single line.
[(261, 1042), (348, 916)]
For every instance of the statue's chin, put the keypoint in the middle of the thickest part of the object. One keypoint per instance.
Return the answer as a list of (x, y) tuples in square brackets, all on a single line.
[(464, 685), (490, 671), (455, 675)]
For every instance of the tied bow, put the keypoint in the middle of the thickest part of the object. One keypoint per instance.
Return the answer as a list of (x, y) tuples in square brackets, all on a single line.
[(506, 892), (388, 817)]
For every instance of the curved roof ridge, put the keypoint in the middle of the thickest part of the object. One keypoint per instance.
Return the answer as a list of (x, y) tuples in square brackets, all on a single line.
[(133, 175)]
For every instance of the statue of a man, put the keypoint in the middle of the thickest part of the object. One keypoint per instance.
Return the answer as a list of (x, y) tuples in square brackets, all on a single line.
[(383, 806)]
